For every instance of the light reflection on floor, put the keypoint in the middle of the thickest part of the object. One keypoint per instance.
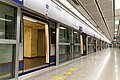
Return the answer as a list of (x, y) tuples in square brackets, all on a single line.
[(104, 65)]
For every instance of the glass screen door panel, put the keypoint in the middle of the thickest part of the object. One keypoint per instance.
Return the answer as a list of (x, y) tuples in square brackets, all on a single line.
[(76, 44), (7, 22), (65, 47), (90, 44), (7, 34), (6, 61), (53, 42)]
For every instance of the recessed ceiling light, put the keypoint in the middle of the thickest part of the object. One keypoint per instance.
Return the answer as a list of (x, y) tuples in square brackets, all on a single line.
[(117, 22), (75, 32), (116, 29), (115, 32), (54, 32)]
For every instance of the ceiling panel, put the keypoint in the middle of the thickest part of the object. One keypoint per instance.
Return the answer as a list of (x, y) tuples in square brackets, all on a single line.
[(106, 8), (93, 22), (117, 12), (102, 1), (107, 11), (83, 12), (86, 1), (91, 8), (108, 14)]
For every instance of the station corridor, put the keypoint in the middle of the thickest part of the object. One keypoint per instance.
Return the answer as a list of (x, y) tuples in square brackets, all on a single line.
[(102, 65)]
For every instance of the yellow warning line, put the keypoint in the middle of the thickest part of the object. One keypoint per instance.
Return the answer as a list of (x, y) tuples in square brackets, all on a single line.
[(58, 77), (68, 73), (52, 62), (20, 71), (73, 69)]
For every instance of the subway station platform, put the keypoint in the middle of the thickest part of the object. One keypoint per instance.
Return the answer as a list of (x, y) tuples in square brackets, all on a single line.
[(59, 39), (102, 65)]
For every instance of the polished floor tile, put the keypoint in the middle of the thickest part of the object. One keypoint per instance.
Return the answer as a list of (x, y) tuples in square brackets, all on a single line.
[(102, 65)]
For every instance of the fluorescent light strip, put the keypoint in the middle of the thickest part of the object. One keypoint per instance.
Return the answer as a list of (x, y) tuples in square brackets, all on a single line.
[(117, 22), (3, 19), (62, 28), (29, 19), (115, 32), (54, 32), (77, 13), (75, 32), (66, 3), (117, 4), (116, 29), (69, 6)]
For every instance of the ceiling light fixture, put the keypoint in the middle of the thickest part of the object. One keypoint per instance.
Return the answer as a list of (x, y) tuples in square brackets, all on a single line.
[(69, 6), (62, 28), (117, 22), (29, 19), (115, 33), (75, 32), (117, 4), (66, 3), (78, 13), (75, 11), (3, 19), (116, 29), (53, 32)]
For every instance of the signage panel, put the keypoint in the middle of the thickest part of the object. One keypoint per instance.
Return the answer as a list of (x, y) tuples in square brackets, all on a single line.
[(19, 1)]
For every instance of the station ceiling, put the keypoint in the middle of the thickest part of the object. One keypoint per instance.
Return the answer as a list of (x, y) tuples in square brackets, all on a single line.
[(101, 13), (117, 19)]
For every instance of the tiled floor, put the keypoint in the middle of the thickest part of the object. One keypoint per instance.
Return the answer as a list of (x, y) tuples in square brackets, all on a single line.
[(103, 65)]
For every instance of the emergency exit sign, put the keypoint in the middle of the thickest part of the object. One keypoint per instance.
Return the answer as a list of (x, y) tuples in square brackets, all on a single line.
[(19, 1)]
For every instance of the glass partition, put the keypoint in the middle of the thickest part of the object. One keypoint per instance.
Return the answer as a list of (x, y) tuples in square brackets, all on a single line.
[(90, 44), (65, 48), (7, 22), (76, 46), (98, 45), (7, 34), (6, 61), (53, 42)]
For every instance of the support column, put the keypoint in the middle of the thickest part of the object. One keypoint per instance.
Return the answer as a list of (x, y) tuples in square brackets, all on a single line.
[(96, 44), (57, 44), (87, 44), (81, 44), (101, 44), (17, 44), (72, 44)]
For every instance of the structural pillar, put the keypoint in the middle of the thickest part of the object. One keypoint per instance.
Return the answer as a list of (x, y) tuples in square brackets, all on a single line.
[(57, 44)]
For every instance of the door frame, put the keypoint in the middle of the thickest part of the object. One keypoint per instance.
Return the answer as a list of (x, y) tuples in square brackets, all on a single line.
[(42, 19)]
